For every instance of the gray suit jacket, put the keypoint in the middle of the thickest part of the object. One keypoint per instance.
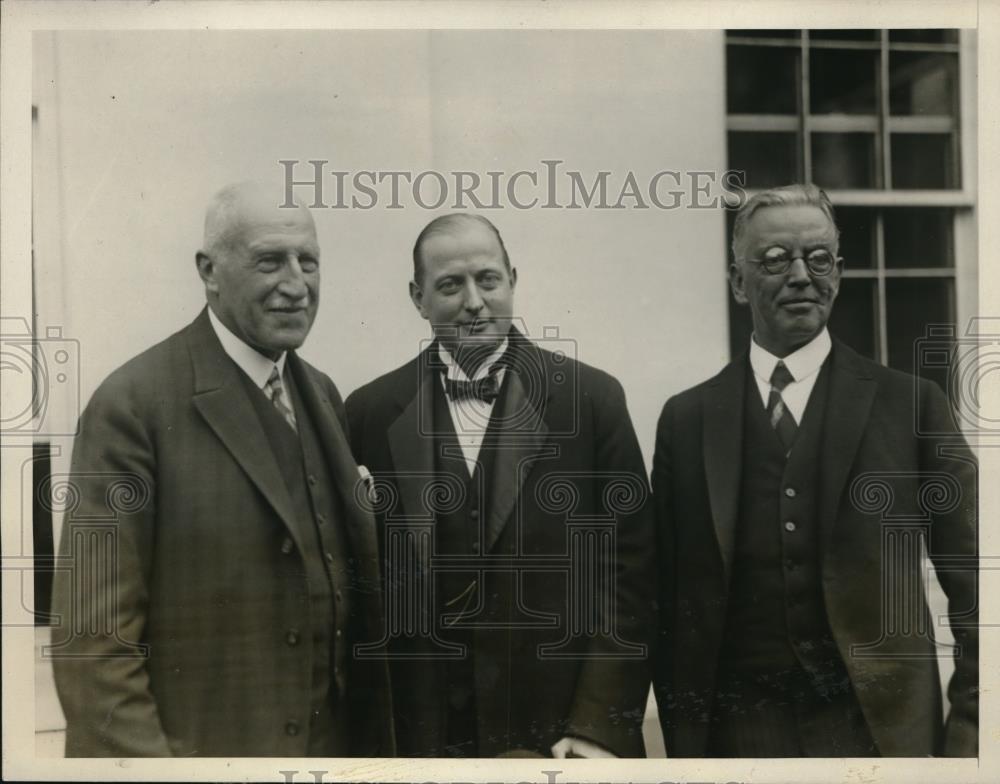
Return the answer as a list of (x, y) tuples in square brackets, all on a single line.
[(182, 640)]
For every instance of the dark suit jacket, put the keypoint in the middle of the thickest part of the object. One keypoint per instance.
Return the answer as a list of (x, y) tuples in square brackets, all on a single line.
[(207, 571), (873, 465), (574, 445)]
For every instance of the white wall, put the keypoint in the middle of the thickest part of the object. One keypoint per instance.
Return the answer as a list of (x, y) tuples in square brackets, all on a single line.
[(139, 128)]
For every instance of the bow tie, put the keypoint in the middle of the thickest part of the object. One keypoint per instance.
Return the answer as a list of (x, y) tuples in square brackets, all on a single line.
[(485, 389)]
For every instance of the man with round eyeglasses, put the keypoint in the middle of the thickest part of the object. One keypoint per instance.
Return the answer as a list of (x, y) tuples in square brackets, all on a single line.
[(785, 614)]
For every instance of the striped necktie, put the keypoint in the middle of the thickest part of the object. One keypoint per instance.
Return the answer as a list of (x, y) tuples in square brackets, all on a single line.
[(781, 418), (275, 392)]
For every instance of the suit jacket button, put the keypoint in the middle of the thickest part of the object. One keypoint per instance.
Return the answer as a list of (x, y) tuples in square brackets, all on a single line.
[(320, 519), (292, 638), (329, 557), (474, 514), (789, 526), (312, 479), (790, 492), (287, 546), (292, 728)]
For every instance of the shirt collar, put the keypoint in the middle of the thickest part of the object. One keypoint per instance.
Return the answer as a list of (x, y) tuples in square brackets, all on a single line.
[(249, 360), (455, 371), (801, 363)]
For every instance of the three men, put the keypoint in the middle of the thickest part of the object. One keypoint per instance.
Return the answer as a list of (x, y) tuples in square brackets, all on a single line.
[(217, 616), (506, 462), (792, 496)]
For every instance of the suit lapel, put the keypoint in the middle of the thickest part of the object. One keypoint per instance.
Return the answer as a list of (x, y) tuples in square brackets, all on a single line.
[(849, 402), (221, 399), (723, 447), (344, 470), (522, 431), (523, 434)]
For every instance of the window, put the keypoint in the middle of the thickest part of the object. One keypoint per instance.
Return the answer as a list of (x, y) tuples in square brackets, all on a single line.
[(873, 118)]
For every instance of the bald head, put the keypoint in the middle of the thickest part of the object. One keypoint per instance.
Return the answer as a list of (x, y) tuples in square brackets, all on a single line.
[(260, 266)]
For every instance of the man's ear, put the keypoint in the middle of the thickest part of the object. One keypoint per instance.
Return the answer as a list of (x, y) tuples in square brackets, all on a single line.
[(737, 282), (206, 271), (417, 296), (836, 274), (513, 277)]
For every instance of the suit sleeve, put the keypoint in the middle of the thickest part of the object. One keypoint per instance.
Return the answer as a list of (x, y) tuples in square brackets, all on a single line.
[(610, 698), (954, 550), (101, 600)]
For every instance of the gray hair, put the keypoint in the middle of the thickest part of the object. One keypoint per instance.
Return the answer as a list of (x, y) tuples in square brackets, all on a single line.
[(225, 215), (798, 194)]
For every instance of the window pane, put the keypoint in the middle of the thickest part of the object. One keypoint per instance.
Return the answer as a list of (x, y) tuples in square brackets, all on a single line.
[(740, 322), (768, 158), (844, 160), (853, 316), (918, 237), (857, 236), (740, 326), (912, 304), (765, 33), (922, 160), (761, 80), (842, 81), (923, 36), (845, 35), (922, 83)]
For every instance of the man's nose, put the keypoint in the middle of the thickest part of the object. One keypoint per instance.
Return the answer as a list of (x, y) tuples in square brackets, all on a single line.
[(293, 281), (473, 299), (798, 273)]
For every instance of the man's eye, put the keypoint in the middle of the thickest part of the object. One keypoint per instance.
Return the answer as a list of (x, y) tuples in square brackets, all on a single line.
[(775, 254), (448, 287), (489, 281), (268, 263), (309, 264)]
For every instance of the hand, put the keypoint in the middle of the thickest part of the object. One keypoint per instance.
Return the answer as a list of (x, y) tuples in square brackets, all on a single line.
[(578, 747)]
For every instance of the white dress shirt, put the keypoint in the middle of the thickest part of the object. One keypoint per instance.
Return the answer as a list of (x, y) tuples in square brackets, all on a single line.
[(470, 416), (250, 360), (803, 364)]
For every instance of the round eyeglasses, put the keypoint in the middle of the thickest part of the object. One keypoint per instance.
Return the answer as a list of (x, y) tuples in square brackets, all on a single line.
[(819, 262)]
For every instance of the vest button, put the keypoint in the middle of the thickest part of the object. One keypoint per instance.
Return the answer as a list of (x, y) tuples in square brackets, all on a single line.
[(339, 633), (287, 546), (292, 728), (292, 638), (312, 479), (320, 519), (790, 492), (339, 597), (329, 557), (789, 526), (474, 514)]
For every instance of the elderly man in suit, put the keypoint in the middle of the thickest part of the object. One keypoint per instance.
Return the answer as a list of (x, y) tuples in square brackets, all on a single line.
[(242, 568), (783, 486), (512, 460)]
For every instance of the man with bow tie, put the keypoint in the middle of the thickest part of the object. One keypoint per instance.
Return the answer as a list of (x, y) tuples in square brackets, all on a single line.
[(242, 569), (793, 491), (504, 453)]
